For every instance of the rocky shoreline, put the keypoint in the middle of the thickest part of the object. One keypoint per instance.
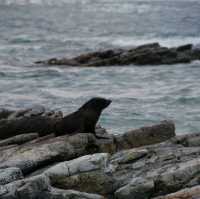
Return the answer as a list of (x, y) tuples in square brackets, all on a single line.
[(149, 54), (146, 163)]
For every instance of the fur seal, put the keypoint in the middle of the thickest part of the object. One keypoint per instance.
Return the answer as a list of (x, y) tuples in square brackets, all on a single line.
[(83, 120)]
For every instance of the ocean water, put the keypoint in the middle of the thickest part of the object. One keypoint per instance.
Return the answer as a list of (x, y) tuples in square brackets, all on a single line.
[(32, 30)]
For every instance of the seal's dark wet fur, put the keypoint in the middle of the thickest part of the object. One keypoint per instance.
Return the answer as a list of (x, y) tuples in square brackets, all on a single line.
[(84, 120)]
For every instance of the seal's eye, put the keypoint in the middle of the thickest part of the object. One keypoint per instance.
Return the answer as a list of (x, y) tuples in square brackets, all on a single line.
[(108, 102)]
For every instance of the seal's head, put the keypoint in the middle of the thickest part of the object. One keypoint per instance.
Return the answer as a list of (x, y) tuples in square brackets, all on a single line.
[(97, 103)]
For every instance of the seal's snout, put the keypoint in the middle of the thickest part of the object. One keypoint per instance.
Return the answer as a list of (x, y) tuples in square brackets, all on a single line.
[(108, 102)]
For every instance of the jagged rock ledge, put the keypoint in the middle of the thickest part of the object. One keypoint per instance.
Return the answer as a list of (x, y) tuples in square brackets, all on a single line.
[(149, 54), (146, 163)]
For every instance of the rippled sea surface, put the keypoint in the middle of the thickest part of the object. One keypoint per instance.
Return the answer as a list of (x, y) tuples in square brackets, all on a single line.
[(31, 30)]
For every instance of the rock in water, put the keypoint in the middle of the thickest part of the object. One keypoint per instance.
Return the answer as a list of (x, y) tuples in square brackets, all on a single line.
[(148, 54)]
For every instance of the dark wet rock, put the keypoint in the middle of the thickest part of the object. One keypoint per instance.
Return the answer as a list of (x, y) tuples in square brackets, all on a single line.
[(4, 113), (184, 47), (35, 120), (148, 54)]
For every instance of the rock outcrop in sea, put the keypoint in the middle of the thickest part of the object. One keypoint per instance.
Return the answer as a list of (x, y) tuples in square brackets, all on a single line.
[(147, 163), (149, 54)]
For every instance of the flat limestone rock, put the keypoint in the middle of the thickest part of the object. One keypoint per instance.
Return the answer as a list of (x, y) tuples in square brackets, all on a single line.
[(85, 174), (83, 164)]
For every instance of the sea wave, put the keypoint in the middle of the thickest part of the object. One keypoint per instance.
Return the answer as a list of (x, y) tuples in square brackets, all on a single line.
[(60, 2), (165, 41), (39, 2)]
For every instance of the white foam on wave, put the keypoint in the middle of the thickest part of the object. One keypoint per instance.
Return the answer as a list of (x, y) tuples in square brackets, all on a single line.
[(39, 2), (142, 7), (122, 8), (26, 2), (168, 42)]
